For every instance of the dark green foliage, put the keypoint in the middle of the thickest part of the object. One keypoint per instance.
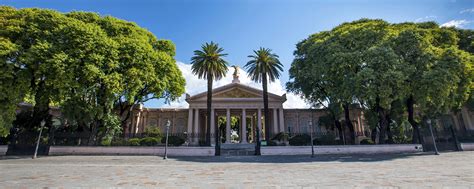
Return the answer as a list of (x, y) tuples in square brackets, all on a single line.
[(173, 140), (119, 141), (300, 140), (134, 142), (152, 132), (281, 136), (272, 143), (367, 142), (149, 141), (327, 139)]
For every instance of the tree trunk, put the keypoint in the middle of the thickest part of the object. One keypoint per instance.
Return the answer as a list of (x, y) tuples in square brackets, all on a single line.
[(127, 112), (265, 107), (41, 107), (339, 129), (382, 115), (389, 132), (416, 130), (349, 123), (374, 134), (209, 106)]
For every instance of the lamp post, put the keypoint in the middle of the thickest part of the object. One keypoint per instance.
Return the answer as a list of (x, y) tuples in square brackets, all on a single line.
[(168, 124), (39, 137), (312, 145), (432, 136)]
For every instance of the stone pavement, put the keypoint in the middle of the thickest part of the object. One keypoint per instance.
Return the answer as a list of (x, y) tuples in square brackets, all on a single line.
[(451, 170)]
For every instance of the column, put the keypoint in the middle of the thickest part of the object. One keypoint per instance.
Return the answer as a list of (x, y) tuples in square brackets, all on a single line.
[(275, 121), (227, 127), (467, 119), (196, 126), (190, 125), (213, 136), (252, 129), (244, 127), (259, 124), (456, 122), (297, 128), (138, 123), (282, 122)]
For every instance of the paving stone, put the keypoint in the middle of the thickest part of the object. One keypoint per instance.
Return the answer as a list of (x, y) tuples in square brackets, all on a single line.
[(448, 170)]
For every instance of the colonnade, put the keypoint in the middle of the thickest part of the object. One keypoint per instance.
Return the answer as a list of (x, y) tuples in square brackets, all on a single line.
[(197, 122)]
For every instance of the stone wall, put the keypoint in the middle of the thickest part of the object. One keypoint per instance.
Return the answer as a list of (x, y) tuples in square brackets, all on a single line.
[(356, 149), (3, 150), (148, 117), (126, 150)]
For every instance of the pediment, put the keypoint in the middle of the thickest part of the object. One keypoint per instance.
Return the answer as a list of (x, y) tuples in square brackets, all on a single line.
[(236, 93)]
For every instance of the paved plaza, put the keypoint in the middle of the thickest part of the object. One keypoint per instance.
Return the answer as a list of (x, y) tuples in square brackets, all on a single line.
[(453, 170)]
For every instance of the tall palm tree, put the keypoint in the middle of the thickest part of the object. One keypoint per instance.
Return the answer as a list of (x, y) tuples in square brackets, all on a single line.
[(208, 63), (264, 65)]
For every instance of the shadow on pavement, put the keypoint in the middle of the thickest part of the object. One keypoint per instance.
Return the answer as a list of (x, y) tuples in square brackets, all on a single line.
[(300, 158)]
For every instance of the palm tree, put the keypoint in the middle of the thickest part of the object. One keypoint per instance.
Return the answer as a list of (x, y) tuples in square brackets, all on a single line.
[(208, 64), (264, 65)]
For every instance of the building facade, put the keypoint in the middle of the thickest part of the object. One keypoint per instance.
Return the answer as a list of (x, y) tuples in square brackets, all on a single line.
[(242, 102)]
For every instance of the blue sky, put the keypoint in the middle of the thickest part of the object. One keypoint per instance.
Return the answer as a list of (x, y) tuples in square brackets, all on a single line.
[(240, 26)]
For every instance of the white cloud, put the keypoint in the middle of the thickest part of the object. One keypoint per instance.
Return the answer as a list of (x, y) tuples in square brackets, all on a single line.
[(456, 23), (195, 86), (426, 18), (467, 11)]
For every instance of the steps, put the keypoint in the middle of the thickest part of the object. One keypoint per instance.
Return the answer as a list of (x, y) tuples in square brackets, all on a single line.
[(237, 149)]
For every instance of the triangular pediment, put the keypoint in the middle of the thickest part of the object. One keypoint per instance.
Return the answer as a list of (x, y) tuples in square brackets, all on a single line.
[(236, 93), (236, 90)]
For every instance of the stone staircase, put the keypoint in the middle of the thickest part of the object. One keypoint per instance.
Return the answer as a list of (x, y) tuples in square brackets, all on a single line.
[(237, 149)]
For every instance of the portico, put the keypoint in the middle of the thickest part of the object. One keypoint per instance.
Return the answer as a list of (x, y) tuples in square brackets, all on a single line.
[(237, 100)]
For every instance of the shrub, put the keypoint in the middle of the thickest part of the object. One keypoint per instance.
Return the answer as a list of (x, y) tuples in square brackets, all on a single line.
[(327, 139), (202, 143), (173, 140), (118, 141), (272, 143), (134, 142), (281, 136), (366, 142), (149, 141), (106, 142), (152, 132), (300, 140)]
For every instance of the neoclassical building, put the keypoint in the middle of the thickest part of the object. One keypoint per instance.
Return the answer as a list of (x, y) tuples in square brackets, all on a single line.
[(245, 104), (236, 100)]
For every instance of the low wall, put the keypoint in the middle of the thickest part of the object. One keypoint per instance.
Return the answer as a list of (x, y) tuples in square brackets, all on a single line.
[(356, 149), (128, 150), (3, 150), (467, 146)]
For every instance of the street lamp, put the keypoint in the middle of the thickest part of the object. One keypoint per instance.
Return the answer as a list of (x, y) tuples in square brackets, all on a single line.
[(432, 136), (312, 145), (168, 124), (39, 137)]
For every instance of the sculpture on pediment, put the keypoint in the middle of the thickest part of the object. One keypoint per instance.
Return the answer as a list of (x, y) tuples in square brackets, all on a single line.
[(236, 74)]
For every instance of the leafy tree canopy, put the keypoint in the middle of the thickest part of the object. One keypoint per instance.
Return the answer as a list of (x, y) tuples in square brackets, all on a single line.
[(82, 62)]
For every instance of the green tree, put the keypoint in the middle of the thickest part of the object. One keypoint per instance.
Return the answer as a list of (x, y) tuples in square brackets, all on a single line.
[(36, 43), (86, 64), (439, 74), (264, 67), (147, 68), (327, 64), (209, 64), (379, 65)]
